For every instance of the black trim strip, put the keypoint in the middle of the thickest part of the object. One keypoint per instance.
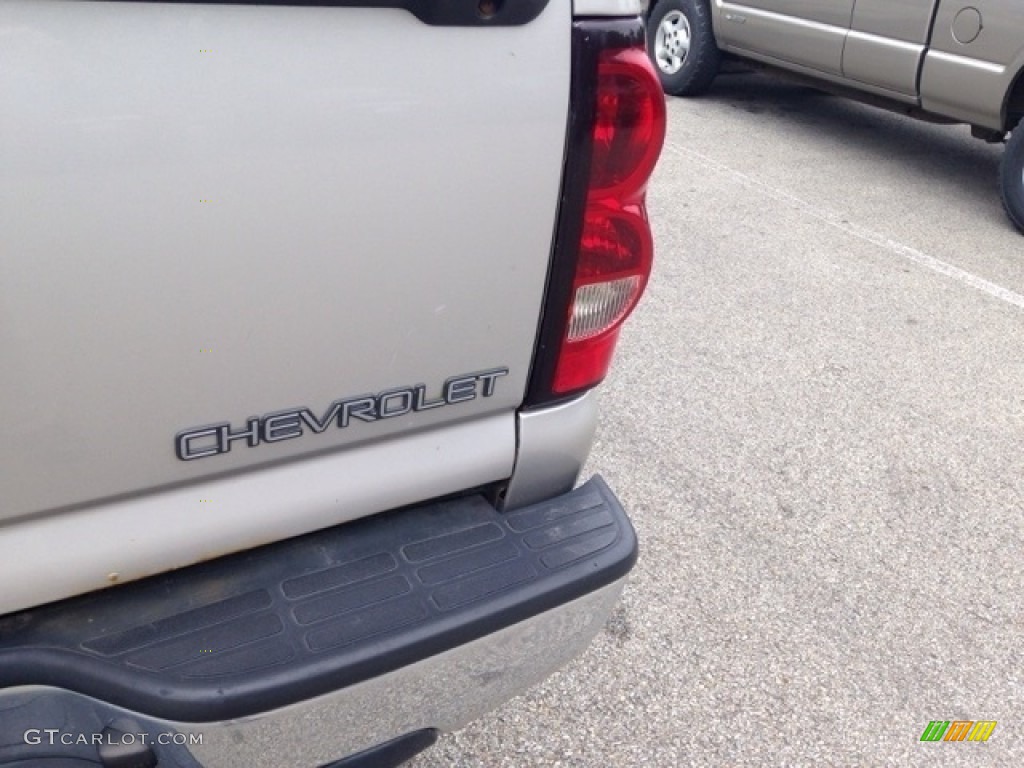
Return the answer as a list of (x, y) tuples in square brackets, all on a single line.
[(438, 13), (589, 38), (391, 754)]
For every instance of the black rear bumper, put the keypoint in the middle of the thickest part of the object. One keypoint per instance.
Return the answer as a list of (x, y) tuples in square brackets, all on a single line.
[(290, 621)]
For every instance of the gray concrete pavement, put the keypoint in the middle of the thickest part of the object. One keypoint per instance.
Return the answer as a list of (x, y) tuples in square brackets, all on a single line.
[(816, 422)]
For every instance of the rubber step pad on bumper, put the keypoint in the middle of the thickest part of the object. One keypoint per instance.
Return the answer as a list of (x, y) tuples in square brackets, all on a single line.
[(293, 620)]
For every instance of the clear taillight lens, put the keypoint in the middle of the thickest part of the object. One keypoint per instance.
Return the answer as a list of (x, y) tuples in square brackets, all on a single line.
[(599, 306)]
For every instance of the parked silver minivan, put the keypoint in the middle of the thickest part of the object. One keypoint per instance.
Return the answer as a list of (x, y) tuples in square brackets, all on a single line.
[(952, 60)]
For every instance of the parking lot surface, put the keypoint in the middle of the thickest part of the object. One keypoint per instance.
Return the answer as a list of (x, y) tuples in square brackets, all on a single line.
[(816, 420)]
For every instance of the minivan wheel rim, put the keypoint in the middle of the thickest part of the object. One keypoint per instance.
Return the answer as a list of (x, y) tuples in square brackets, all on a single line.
[(672, 42)]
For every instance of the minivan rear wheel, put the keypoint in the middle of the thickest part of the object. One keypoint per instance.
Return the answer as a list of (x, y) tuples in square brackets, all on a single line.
[(681, 43)]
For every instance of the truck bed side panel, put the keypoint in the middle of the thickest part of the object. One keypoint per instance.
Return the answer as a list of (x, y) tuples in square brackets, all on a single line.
[(213, 213)]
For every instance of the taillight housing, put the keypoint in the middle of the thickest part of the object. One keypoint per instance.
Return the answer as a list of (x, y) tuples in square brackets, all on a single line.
[(603, 246)]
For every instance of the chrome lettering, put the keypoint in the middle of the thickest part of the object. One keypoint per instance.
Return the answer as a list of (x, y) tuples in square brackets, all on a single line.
[(251, 435), (187, 452), (489, 377), (363, 408), (281, 426), (460, 389), (421, 403), (213, 439), (385, 401), (323, 424)]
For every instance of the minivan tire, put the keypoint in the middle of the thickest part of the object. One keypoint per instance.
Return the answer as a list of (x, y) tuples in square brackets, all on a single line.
[(1011, 177), (681, 44)]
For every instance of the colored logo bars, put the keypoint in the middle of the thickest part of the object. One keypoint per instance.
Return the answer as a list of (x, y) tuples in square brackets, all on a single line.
[(958, 730)]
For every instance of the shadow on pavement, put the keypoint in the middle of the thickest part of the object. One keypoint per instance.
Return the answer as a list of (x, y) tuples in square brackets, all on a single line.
[(942, 155)]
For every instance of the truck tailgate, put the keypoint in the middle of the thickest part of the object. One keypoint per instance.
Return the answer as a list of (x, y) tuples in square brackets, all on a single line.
[(211, 214)]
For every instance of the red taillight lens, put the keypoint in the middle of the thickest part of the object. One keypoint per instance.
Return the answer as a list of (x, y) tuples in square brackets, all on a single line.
[(629, 123), (615, 248)]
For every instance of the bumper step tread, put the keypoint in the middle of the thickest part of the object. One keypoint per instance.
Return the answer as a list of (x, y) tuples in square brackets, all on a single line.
[(292, 620)]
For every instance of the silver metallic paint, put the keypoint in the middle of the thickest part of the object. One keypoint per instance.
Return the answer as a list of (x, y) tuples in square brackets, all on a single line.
[(883, 62), (906, 20), (883, 48), (210, 211), (553, 445), (100, 545), (370, 223), (786, 30), (970, 82), (608, 7)]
